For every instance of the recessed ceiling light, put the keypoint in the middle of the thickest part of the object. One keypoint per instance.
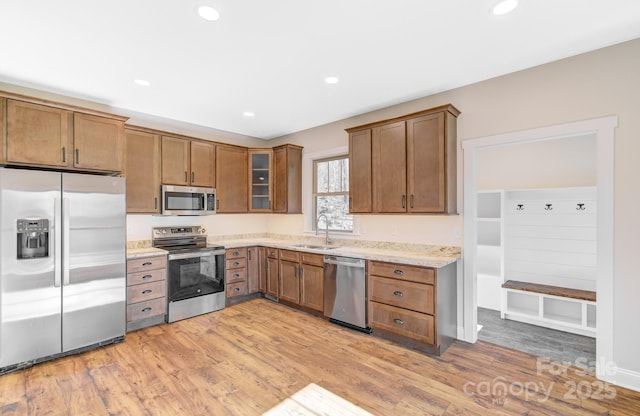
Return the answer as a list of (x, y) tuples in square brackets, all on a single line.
[(504, 7), (331, 80), (142, 82), (208, 13), (248, 114)]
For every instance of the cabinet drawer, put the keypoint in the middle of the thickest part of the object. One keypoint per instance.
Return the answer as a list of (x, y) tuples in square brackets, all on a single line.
[(235, 275), (410, 324), (403, 272), (314, 259), (146, 291), (146, 263), (146, 277), (236, 289), (408, 295), (141, 310), (235, 263), (271, 252), (289, 255), (236, 253)]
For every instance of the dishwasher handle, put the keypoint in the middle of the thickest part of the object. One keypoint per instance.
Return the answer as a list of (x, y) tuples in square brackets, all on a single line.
[(344, 261)]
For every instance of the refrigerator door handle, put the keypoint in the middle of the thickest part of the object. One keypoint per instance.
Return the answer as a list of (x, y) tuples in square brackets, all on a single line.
[(57, 237), (65, 242)]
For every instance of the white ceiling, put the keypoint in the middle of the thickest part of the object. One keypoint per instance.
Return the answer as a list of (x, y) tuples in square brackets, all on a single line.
[(271, 57)]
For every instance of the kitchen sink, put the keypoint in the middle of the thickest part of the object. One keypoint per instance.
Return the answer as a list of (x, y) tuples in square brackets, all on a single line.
[(315, 247)]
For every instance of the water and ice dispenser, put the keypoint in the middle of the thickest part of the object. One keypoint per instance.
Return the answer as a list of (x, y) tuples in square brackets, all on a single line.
[(32, 238)]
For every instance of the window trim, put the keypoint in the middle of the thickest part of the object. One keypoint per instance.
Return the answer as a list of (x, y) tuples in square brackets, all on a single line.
[(314, 194)]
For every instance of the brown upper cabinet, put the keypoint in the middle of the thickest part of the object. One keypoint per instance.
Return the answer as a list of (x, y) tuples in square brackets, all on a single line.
[(50, 136), (232, 183), (405, 165), (142, 170), (188, 162), (287, 179), (260, 180)]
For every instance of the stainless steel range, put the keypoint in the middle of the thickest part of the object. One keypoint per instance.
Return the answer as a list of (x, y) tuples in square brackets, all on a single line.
[(195, 271)]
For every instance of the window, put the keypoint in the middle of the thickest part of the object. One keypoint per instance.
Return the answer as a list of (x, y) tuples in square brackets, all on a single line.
[(331, 194)]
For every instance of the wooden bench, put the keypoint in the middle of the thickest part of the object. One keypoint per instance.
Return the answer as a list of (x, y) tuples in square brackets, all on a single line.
[(561, 308)]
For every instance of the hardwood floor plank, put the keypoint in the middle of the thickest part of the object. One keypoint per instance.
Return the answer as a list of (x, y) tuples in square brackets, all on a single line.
[(246, 359)]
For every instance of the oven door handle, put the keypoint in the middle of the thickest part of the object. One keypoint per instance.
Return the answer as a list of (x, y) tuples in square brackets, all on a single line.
[(194, 255)]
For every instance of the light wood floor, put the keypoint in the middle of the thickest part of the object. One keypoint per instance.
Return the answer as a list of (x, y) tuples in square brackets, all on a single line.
[(247, 358)]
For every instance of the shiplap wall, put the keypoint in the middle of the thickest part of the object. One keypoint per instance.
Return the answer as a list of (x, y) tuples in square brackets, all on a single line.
[(553, 245)]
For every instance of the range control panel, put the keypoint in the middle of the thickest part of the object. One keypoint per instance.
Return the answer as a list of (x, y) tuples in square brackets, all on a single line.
[(182, 231)]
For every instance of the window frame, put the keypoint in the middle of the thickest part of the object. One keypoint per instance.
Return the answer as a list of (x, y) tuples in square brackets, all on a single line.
[(315, 194)]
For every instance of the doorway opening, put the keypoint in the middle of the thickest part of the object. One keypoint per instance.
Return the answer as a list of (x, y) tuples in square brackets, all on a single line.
[(602, 130)]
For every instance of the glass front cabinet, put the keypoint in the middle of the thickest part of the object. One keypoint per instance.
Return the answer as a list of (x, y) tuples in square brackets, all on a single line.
[(260, 180)]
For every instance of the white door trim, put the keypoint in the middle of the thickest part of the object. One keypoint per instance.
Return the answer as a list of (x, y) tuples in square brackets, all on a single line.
[(604, 129)]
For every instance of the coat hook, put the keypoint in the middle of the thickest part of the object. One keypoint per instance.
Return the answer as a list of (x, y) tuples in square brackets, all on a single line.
[(580, 207), (520, 207), (548, 207)]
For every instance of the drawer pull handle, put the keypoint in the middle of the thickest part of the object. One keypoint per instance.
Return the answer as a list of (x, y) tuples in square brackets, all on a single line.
[(398, 321), (147, 263), (398, 271), (398, 293), (236, 275), (146, 292), (236, 289), (147, 276), (147, 309), (235, 263), (235, 253)]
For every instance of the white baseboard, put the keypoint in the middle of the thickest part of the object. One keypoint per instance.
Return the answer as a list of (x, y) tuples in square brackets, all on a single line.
[(624, 378)]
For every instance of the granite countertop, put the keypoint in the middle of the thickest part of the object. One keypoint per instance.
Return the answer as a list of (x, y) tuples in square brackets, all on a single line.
[(411, 254), (428, 256), (134, 253)]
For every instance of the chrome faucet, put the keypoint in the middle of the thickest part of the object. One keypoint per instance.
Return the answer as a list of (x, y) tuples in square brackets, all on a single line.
[(327, 241)]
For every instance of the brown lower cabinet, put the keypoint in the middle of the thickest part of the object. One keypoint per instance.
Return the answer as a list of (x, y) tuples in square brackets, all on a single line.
[(415, 306), (302, 279)]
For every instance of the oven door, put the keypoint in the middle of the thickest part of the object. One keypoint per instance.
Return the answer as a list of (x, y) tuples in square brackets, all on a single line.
[(195, 274)]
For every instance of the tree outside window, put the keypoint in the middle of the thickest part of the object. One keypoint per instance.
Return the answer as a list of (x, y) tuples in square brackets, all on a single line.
[(331, 194)]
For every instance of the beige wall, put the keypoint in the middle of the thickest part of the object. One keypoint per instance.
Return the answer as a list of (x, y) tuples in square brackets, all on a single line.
[(596, 84), (555, 163)]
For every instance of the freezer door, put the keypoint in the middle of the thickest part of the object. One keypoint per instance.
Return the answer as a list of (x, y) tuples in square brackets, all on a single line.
[(94, 260), (30, 292)]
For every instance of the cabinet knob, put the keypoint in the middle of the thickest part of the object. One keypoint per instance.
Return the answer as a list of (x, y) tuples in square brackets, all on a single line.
[(147, 309), (236, 289), (235, 253), (398, 321), (146, 292), (235, 263), (236, 275), (147, 276), (398, 271), (147, 263), (398, 293)]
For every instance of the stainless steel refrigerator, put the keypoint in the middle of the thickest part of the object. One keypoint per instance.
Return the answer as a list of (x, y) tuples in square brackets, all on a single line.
[(62, 264)]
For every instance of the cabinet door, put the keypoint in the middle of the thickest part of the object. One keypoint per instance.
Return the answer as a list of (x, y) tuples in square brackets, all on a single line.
[(175, 161), (39, 135), (202, 164), (426, 163), (231, 179), (98, 143), (360, 171), (389, 165), (289, 281), (142, 170), (312, 287), (253, 270), (260, 180), (272, 277), (287, 188)]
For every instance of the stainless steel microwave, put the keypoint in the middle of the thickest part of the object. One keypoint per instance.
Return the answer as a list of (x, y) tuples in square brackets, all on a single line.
[(188, 200)]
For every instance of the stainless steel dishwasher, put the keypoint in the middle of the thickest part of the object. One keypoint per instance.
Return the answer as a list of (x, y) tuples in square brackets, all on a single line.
[(345, 296)]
